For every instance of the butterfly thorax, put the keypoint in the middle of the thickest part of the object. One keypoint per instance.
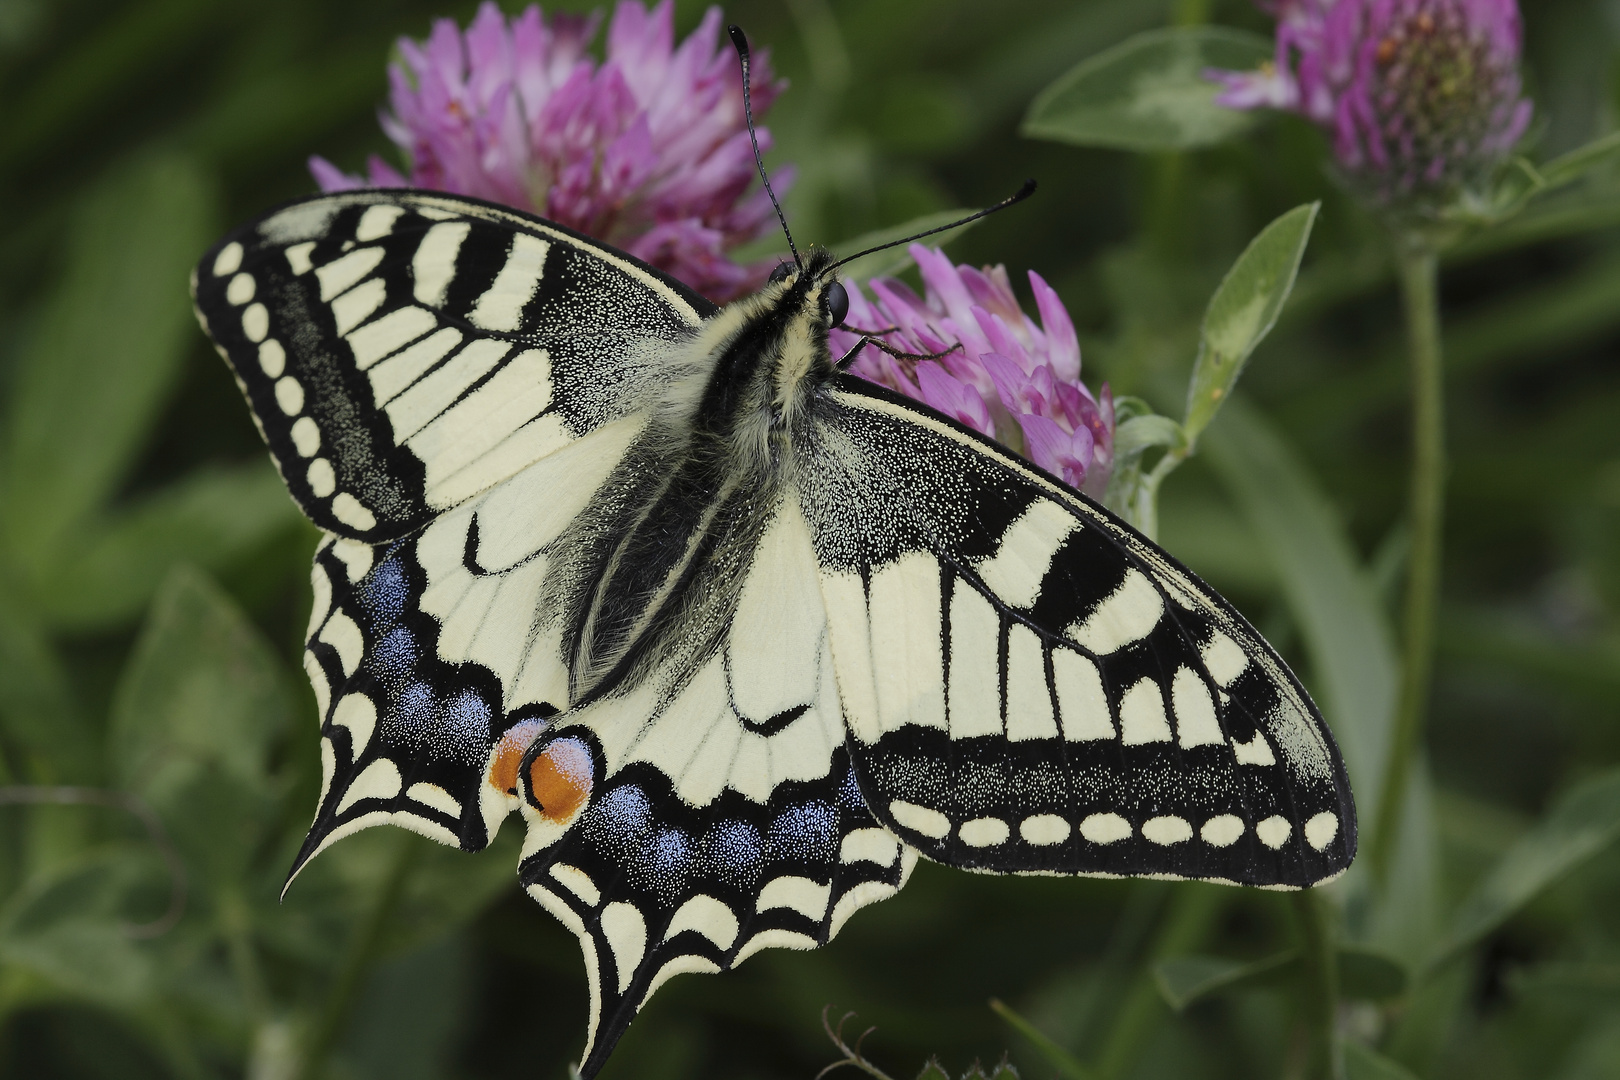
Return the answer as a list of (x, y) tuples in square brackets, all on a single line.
[(666, 552)]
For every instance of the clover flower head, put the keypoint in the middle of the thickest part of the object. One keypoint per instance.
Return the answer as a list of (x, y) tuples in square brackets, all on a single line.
[(1420, 96), (1000, 374), (648, 150)]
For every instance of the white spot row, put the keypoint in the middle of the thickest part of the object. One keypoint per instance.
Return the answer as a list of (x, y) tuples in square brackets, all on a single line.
[(1042, 830), (288, 391)]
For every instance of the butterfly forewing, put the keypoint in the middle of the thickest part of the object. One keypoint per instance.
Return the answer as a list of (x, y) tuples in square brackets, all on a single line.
[(403, 351), (1030, 686)]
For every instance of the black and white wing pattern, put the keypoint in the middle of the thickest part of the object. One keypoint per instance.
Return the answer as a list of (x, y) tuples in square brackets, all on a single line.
[(420, 365), (698, 816), (1029, 686), (740, 637), (403, 351)]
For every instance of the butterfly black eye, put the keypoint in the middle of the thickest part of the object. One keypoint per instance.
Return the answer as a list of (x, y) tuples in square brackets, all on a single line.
[(837, 304), (781, 272)]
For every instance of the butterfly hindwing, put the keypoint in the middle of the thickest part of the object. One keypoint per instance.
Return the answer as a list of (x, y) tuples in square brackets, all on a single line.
[(402, 351), (429, 652), (405, 736), (698, 816), (1031, 687), (654, 886)]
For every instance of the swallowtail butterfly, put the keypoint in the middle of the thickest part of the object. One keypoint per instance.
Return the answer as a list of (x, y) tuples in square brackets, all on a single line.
[(739, 635)]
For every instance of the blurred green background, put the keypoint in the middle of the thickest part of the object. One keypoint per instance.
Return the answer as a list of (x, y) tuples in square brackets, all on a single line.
[(153, 581)]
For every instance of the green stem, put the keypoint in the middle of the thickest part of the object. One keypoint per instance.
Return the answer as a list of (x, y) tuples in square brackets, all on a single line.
[(236, 926), (1418, 267), (356, 962), (1321, 999), (1060, 1059), (1146, 508), (1193, 908)]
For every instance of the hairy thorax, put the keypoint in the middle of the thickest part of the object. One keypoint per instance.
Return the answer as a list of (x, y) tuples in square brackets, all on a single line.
[(650, 575)]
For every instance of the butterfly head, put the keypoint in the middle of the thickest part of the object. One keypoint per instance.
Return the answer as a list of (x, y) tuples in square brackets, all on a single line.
[(814, 285)]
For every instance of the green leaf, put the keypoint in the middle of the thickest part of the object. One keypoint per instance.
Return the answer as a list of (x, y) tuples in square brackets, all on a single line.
[(107, 350), (1581, 824), (1351, 648), (68, 928), (1362, 1062), (1352, 658), (1149, 92), (1141, 433), (1364, 975), (1060, 1059), (897, 259), (1566, 168), (194, 716), (1370, 974), (211, 519), (1183, 980), (37, 709), (1243, 310), (201, 685), (933, 1070)]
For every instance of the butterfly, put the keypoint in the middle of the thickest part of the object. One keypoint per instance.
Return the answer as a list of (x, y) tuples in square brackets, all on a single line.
[(739, 635)]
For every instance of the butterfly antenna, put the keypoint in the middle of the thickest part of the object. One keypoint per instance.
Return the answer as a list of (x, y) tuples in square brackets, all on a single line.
[(740, 40), (1017, 197)]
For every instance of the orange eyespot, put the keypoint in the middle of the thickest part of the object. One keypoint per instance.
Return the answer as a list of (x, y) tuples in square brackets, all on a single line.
[(503, 770), (560, 779)]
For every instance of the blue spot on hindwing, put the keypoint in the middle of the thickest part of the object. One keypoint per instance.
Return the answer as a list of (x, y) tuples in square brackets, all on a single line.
[(664, 864), (413, 712), (462, 731), (619, 820), (734, 852), (807, 831), (384, 593), (395, 656)]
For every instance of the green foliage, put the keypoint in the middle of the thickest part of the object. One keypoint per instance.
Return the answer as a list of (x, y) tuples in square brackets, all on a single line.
[(1364, 975), (1243, 311), (104, 355), (1578, 826), (157, 739), (1149, 92)]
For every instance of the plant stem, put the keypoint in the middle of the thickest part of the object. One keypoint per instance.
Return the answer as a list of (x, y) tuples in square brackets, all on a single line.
[(1417, 264), (1321, 987), (236, 926), (1192, 909), (356, 962)]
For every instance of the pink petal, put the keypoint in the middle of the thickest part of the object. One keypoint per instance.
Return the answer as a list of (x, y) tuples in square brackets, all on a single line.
[(1062, 346), (953, 397), (1061, 453), (328, 177)]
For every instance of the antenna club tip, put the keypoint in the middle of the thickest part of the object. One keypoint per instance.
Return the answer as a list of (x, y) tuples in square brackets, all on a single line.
[(738, 38), (1027, 190)]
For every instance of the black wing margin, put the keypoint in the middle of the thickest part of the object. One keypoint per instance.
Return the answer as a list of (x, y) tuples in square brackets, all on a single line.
[(1031, 686), (402, 351)]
